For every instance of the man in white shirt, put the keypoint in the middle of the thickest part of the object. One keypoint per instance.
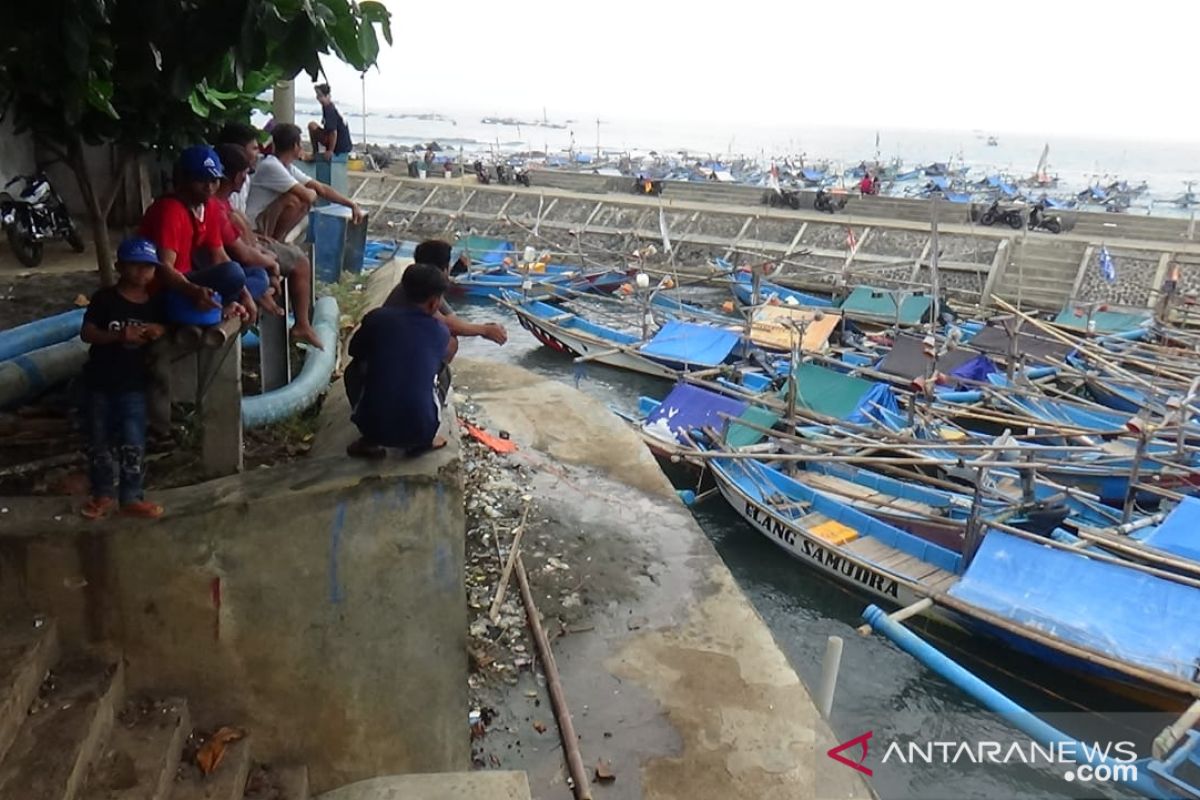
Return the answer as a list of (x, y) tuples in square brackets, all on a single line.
[(281, 194)]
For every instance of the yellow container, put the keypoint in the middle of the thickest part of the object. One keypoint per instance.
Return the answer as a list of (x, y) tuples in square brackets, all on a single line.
[(834, 532), (355, 165)]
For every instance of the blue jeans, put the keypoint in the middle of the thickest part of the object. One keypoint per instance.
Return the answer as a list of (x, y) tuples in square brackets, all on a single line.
[(228, 279), (116, 443)]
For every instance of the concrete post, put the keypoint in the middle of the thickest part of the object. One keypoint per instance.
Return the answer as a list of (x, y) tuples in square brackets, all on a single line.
[(221, 408), (283, 104), (830, 665)]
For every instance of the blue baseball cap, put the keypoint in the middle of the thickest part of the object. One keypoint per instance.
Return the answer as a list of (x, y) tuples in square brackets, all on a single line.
[(137, 250), (200, 163)]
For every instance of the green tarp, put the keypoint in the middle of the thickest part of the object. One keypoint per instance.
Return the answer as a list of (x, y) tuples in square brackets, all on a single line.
[(1106, 321), (741, 436), (879, 305), (482, 249), (832, 394)]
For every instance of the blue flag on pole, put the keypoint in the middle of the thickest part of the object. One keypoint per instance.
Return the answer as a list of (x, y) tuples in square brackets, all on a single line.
[(1105, 262)]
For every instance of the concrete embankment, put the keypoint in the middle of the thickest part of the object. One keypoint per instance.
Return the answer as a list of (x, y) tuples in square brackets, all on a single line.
[(674, 680)]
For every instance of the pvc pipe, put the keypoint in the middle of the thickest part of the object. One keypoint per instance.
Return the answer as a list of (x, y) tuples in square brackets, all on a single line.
[(40, 333), (31, 373), (313, 378), (830, 665), (991, 699)]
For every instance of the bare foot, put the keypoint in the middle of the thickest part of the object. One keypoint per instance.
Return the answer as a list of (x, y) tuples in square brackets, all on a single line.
[(267, 301), (438, 443), (307, 334), (234, 309)]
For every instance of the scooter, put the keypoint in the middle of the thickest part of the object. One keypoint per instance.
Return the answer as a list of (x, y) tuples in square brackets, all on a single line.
[(1039, 220), (35, 215), (782, 198), (481, 173), (827, 202), (647, 186), (994, 214)]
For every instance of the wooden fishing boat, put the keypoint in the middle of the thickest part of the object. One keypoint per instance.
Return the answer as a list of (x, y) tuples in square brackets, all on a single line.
[(556, 280), (674, 348), (1043, 599)]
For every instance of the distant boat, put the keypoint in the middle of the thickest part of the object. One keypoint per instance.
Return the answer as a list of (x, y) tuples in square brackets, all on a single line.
[(992, 141)]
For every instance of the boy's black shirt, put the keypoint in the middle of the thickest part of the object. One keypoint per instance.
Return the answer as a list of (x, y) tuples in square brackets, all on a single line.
[(119, 367)]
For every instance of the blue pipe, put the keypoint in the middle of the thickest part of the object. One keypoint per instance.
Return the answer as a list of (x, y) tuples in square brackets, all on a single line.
[(313, 379), (1024, 721), (29, 374), (40, 333)]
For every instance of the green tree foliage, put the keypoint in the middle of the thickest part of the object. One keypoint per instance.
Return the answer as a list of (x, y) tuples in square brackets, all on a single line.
[(161, 74)]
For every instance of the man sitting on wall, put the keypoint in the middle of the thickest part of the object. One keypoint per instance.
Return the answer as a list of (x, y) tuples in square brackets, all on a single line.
[(281, 194), (185, 223), (332, 133), (293, 263)]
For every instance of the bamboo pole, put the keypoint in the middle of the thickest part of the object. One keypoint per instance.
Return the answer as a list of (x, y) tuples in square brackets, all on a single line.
[(558, 699), (513, 550)]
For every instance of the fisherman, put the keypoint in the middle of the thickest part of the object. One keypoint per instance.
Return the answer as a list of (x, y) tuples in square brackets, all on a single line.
[(292, 263), (436, 253), (403, 348), (867, 184), (331, 133), (281, 195)]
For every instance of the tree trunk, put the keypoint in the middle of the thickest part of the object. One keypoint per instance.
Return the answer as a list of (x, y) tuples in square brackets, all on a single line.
[(96, 216)]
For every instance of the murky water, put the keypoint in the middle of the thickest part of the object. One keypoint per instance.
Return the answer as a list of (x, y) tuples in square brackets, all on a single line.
[(880, 688)]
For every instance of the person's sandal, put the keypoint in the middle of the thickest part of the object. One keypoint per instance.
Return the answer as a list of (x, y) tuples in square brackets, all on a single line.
[(142, 509), (98, 507)]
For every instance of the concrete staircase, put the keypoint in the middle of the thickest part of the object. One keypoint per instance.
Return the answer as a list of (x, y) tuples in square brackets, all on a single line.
[(1044, 269), (68, 732)]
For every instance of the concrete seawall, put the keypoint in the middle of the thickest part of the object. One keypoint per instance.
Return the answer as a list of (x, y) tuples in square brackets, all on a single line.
[(319, 603), (874, 241), (671, 674)]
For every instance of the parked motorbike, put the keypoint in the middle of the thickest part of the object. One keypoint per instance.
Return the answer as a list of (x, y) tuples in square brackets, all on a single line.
[(782, 198), (521, 176), (827, 202), (34, 216), (647, 186), (994, 214), (1039, 220), (481, 173)]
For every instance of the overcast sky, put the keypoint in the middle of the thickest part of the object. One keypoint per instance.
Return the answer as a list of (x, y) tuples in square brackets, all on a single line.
[(1058, 67)]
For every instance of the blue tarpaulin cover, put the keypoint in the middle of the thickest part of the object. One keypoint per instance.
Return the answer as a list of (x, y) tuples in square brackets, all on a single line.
[(1112, 609), (689, 407), (689, 343), (1179, 533)]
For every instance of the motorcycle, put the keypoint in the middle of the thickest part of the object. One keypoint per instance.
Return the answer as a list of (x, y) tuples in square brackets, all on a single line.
[(481, 173), (782, 198), (34, 216), (1008, 216), (827, 202), (1039, 220), (647, 186), (508, 175)]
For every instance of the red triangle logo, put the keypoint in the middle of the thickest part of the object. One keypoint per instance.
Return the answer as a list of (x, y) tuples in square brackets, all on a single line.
[(858, 741)]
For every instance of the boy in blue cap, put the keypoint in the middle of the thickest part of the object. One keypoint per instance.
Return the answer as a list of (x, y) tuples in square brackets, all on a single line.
[(119, 324)]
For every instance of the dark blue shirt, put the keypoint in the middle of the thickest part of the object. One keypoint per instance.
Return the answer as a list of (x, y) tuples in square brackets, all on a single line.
[(402, 350), (332, 121)]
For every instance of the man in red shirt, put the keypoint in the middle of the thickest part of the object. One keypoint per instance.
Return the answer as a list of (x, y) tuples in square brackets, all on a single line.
[(186, 224)]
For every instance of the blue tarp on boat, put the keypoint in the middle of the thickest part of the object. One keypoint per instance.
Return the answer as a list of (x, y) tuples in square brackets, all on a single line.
[(812, 174), (689, 343), (1179, 533), (1105, 607), (940, 181), (957, 197), (689, 407)]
